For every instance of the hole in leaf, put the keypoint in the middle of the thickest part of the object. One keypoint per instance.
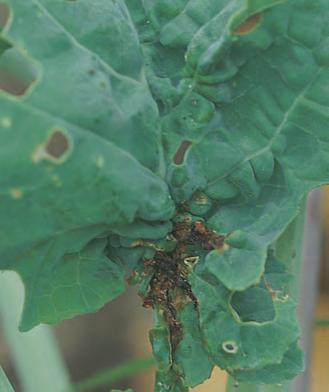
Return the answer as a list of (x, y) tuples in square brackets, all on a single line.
[(57, 145), (4, 15), (248, 25), (55, 148), (254, 305), (181, 152), (11, 85), (230, 347), (17, 72)]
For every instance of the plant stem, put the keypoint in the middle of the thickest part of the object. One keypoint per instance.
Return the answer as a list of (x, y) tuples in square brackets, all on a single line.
[(35, 354), (4, 382), (117, 373)]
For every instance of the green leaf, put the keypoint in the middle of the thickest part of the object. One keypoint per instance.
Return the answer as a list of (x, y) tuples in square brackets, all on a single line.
[(65, 177), (176, 139), (190, 355), (255, 128), (291, 364), (235, 341), (253, 304), (4, 45), (167, 378), (79, 283)]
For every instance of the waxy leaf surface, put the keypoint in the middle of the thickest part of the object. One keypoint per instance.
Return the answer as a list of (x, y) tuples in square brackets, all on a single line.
[(175, 139)]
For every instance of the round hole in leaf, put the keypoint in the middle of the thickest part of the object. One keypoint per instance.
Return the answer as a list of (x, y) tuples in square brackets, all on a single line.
[(57, 145), (254, 305), (17, 72), (55, 149), (230, 347)]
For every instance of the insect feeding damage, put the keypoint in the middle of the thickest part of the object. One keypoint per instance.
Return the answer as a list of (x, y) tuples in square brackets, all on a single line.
[(57, 145), (181, 152), (55, 149), (248, 25), (169, 288)]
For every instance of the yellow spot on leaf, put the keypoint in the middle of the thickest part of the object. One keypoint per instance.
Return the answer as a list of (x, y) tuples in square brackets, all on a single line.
[(6, 122), (201, 199), (100, 161), (39, 153), (16, 193), (56, 180)]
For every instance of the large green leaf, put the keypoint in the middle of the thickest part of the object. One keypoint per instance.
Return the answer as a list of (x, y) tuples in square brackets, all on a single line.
[(66, 180), (241, 88), (175, 138)]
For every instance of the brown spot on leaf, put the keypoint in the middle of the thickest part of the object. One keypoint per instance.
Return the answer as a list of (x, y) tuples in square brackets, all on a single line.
[(16, 193), (248, 25), (57, 145), (180, 153), (5, 122)]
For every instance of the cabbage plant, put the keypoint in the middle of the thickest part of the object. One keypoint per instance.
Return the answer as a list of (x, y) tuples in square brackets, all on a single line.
[(168, 144)]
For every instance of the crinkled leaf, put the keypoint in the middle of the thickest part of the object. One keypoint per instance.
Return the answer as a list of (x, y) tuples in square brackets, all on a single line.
[(234, 342), (167, 378), (82, 281), (212, 104), (66, 180), (265, 81), (292, 364)]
